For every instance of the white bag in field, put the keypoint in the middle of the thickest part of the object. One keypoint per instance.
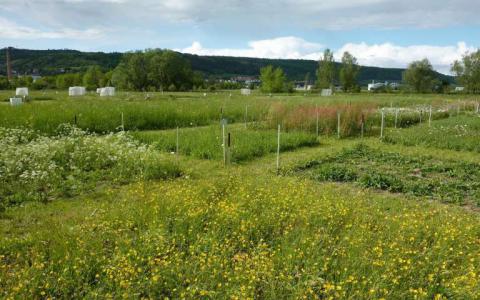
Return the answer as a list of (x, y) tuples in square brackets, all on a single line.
[(326, 92), (21, 91), (245, 91), (107, 91), (76, 91), (16, 101)]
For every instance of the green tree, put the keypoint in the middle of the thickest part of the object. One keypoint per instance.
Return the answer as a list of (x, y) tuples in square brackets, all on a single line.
[(326, 70), (349, 72), (273, 79), (420, 76), (467, 72), (92, 78)]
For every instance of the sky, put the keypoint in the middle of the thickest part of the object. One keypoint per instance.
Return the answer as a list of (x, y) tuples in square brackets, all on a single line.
[(382, 33)]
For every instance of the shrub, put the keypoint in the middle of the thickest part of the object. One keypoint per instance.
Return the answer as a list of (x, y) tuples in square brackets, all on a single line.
[(34, 167)]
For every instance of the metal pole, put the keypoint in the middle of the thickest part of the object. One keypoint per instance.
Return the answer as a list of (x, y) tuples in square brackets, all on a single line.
[(362, 126), (338, 124), (223, 143), (246, 114), (430, 117), (177, 144), (383, 124), (396, 117), (278, 150)]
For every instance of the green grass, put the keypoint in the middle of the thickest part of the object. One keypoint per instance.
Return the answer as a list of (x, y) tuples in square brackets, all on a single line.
[(206, 142), (461, 133), (105, 115), (449, 181), (264, 238), (106, 216)]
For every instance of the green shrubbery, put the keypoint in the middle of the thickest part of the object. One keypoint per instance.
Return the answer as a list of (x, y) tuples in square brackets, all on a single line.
[(449, 181)]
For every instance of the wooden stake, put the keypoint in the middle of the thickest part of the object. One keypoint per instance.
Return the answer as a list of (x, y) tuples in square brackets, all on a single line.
[(316, 110), (123, 125)]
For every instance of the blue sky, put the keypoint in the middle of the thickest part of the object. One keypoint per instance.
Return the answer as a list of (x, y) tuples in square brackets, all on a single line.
[(382, 33)]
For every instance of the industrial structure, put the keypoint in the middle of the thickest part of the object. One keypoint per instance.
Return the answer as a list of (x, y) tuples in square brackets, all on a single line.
[(9, 64)]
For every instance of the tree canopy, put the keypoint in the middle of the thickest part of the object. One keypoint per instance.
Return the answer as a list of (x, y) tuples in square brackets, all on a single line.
[(420, 76), (468, 72), (349, 72), (154, 70), (273, 79), (326, 71)]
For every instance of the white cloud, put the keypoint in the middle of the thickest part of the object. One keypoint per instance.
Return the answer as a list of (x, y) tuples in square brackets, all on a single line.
[(390, 55), (11, 30), (379, 55), (283, 47)]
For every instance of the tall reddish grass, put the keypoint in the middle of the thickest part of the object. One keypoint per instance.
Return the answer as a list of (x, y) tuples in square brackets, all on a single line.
[(304, 117)]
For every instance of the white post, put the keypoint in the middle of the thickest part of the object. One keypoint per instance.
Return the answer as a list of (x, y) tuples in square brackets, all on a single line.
[(477, 108), (246, 114), (316, 110), (278, 150), (396, 117), (458, 109), (383, 124), (224, 146), (338, 124), (123, 124), (430, 117), (177, 144)]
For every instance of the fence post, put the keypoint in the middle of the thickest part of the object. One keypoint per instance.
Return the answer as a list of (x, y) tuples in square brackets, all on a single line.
[(316, 110), (421, 115), (396, 117), (477, 108), (430, 117), (362, 126), (246, 114), (278, 150), (123, 124), (176, 152), (383, 124), (338, 124), (228, 149), (223, 143)]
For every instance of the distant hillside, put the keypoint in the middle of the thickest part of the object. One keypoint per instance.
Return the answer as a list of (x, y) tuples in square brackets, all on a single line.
[(49, 62)]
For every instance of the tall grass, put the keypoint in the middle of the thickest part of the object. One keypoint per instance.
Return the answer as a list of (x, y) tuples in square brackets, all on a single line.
[(207, 142), (457, 133), (100, 115)]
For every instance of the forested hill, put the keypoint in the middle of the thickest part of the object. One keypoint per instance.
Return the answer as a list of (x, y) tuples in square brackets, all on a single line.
[(49, 62)]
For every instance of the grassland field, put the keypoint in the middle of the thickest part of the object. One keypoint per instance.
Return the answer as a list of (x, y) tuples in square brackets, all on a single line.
[(94, 208)]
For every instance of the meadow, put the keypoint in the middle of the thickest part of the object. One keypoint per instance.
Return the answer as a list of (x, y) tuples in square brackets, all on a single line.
[(208, 142), (93, 209)]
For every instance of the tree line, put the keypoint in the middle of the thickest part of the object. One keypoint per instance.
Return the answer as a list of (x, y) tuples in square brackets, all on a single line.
[(419, 77), (166, 70)]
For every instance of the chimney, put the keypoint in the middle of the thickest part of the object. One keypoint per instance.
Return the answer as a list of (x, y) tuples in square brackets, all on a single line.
[(9, 64)]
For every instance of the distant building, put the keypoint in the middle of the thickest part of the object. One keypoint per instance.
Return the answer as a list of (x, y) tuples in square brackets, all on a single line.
[(375, 86)]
